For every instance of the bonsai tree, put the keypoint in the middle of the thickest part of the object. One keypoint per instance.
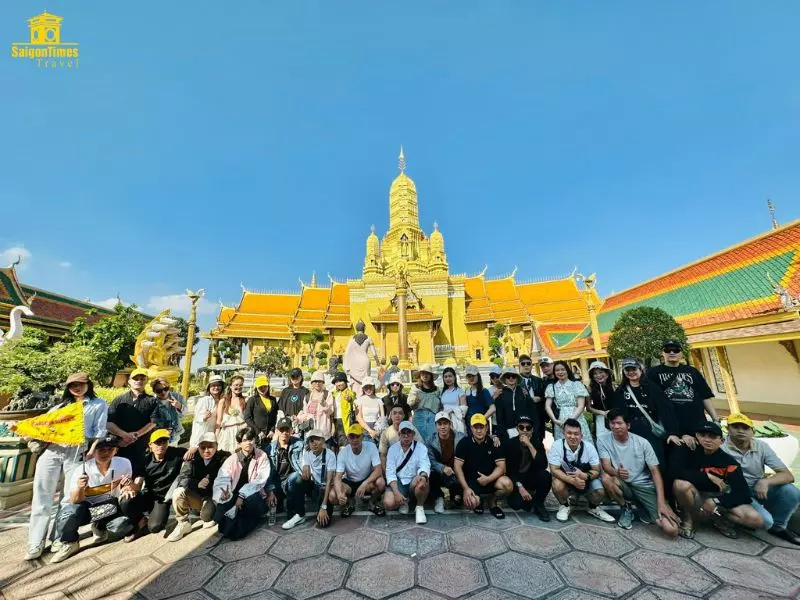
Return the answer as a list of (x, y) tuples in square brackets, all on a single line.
[(496, 344), (640, 333), (312, 338), (273, 360)]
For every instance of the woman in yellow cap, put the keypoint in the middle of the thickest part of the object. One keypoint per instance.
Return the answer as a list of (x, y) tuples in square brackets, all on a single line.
[(261, 411)]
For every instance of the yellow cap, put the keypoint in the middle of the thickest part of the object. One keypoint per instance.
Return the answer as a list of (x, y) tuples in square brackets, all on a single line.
[(739, 418), (356, 429), (477, 419), (261, 380), (159, 434), (139, 371)]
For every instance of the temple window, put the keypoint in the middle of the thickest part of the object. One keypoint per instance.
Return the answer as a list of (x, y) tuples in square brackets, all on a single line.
[(478, 354)]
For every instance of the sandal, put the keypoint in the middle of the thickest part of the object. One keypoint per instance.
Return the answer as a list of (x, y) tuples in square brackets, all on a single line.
[(479, 509), (378, 510), (687, 533), (724, 526), (348, 510), (497, 512)]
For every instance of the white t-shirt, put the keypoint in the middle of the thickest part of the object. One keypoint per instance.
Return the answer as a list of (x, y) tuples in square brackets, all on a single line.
[(315, 462), (357, 467), (555, 456), (118, 468), (450, 398), (370, 408), (636, 455)]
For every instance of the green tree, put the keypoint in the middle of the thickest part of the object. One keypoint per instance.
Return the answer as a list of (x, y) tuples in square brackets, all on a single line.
[(270, 362), (640, 333), (112, 339), (495, 341), (312, 338)]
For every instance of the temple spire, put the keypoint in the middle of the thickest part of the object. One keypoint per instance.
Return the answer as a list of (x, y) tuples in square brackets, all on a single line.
[(401, 160), (771, 208), (313, 279)]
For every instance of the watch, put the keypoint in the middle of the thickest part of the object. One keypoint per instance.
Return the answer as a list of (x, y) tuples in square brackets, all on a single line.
[(324, 506), (519, 484)]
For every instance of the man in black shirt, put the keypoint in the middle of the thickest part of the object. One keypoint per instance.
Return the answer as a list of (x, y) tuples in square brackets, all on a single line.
[(131, 416), (686, 388), (546, 365), (285, 453), (292, 397), (533, 387), (707, 480), (161, 469), (195, 486), (526, 466), (480, 467), (512, 402)]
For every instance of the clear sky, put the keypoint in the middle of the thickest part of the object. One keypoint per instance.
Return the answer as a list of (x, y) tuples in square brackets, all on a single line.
[(208, 144)]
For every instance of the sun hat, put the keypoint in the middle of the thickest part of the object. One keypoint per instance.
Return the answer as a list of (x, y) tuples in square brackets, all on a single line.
[(159, 434), (740, 418), (214, 379), (369, 381), (510, 371), (442, 415), (318, 376), (79, 377), (395, 378), (471, 370)]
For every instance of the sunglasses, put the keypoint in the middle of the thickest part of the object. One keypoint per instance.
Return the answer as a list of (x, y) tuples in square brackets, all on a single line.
[(160, 390), (525, 363), (672, 350), (525, 427)]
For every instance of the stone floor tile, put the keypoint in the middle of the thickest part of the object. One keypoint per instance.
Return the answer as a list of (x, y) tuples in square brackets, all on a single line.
[(391, 522), (110, 579), (13, 535), (523, 575), (339, 526), (244, 577), (197, 543), (327, 574), (672, 572), (297, 546), (651, 538), (494, 594), (598, 540), (417, 543), (581, 516), (748, 572), (358, 544), (266, 595), (572, 594), (744, 544), (595, 574), (119, 551), (654, 593), (180, 577), (13, 566), (341, 595), (50, 579), (418, 594), (788, 560), (445, 523), (538, 542), (451, 575), (487, 521), (255, 544), (478, 543), (729, 592), (553, 524), (195, 595), (771, 540), (381, 576)]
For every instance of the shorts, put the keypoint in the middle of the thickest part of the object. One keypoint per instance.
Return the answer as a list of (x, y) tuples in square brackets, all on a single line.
[(481, 490), (643, 495), (405, 489), (354, 485), (594, 484)]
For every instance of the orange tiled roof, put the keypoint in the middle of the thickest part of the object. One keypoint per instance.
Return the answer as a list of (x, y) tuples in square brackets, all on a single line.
[(338, 313), (505, 302), (557, 301), (478, 308)]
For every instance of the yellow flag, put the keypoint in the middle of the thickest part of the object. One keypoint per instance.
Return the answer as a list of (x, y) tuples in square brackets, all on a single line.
[(63, 426)]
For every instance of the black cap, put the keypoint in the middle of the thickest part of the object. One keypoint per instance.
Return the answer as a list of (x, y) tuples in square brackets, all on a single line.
[(109, 441), (672, 344), (629, 362), (339, 377), (709, 427), (284, 423), (295, 373), (524, 418)]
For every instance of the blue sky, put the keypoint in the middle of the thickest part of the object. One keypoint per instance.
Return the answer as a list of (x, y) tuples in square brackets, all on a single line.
[(205, 144)]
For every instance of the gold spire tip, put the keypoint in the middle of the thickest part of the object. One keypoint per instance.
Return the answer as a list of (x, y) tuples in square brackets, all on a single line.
[(401, 160)]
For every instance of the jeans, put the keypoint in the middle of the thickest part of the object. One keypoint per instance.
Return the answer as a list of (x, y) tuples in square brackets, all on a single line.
[(297, 489), (52, 462), (247, 518), (134, 508), (72, 516), (779, 506), (424, 422)]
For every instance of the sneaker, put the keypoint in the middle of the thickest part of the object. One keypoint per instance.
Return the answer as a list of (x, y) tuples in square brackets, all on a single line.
[(403, 510), (181, 529), (420, 514), (35, 552), (541, 512), (99, 535), (599, 513), (625, 518), (209, 524), (785, 534), (55, 546), (65, 551), (294, 521), (563, 513), (438, 508)]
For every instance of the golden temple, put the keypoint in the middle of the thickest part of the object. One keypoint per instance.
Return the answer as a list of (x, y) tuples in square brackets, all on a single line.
[(449, 317)]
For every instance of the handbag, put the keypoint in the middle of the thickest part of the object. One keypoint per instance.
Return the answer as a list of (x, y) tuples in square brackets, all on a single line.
[(657, 428), (104, 510)]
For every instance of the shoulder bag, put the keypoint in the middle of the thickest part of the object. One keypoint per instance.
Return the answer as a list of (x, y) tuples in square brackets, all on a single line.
[(657, 429)]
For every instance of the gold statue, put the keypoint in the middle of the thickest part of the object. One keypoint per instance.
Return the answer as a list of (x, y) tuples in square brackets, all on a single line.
[(159, 348)]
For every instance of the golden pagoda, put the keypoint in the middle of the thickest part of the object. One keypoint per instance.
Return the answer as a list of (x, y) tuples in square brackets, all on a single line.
[(406, 291)]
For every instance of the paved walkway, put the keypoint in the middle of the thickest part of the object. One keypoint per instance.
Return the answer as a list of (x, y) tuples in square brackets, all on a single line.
[(453, 556)]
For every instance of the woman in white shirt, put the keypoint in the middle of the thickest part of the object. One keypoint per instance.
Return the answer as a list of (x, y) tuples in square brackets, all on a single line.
[(454, 401), (370, 408), (205, 413), (565, 399)]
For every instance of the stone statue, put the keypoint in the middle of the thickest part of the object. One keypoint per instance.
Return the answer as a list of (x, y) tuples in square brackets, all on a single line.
[(357, 357), (15, 318), (393, 368)]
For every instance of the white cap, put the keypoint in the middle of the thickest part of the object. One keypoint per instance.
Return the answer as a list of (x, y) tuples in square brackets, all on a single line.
[(208, 438), (545, 360), (495, 369), (318, 376), (369, 381), (441, 415), (407, 425), (471, 370)]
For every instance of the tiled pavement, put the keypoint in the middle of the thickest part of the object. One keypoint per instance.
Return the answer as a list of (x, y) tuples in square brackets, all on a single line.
[(453, 556)]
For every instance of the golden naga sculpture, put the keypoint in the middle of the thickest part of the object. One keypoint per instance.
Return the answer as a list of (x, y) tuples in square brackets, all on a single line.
[(160, 347)]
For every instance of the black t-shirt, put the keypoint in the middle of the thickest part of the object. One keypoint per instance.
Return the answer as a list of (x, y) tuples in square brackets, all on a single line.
[(159, 475), (686, 388), (695, 465), (478, 457), (401, 399), (291, 400), (283, 464), (129, 413)]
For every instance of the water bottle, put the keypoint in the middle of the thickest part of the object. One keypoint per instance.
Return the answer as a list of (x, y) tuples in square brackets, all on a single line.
[(271, 516)]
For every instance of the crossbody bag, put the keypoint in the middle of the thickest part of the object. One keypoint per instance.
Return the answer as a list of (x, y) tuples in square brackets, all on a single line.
[(657, 428)]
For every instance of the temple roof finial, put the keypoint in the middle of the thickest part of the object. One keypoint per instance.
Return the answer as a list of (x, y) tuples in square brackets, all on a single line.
[(435, 226), (313, 279), (372, 228), (771, 208), (401, 160)]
